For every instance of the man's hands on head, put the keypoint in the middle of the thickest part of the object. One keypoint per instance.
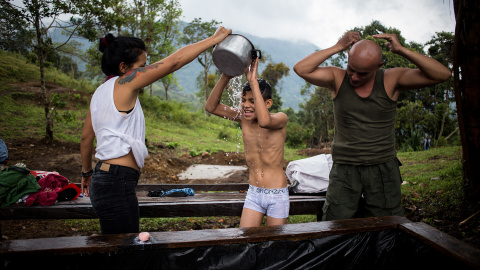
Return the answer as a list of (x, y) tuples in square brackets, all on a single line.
[(349, 39), (392, 42)]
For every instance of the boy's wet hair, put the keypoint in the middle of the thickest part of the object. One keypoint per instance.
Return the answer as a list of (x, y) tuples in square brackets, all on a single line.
[(265, 89), (117, 50)]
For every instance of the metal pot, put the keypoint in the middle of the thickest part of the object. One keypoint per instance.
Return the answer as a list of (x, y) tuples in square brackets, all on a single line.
[(233, 54)]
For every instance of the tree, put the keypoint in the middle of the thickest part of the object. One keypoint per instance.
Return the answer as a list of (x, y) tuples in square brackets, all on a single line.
[(107, 17), (43, 16), (273, 73), (155, 22), (411, 118), (15, 35), (69, 53), (169, 82), (467, 88), (196, 31), (317, 114), (441, 49), (212, 79)]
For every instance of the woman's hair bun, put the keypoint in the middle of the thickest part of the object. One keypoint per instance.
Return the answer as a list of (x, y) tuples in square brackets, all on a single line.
[(105, 42)]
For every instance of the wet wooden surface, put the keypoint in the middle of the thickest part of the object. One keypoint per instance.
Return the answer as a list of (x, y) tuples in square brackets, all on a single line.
[(444, 243), (462, 253), (203, 203), (195, 187), (181, 239)]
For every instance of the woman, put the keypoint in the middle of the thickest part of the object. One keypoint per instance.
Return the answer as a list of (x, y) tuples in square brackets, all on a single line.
[(116, 119)]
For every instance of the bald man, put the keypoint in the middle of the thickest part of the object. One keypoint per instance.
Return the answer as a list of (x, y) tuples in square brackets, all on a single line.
[(365, 100)]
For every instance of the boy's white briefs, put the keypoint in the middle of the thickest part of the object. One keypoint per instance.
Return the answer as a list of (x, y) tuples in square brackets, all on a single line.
[(275, 202)]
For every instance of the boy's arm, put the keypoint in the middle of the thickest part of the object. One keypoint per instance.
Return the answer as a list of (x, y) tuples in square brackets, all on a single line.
[(213, 104), (309, 67), (264, 118)]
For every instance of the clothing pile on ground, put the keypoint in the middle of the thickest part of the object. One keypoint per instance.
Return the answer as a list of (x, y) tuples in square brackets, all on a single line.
[(3, 154), (18, 184), (309, 175)]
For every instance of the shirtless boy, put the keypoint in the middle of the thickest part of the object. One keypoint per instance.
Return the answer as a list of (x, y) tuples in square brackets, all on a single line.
[(264, 136)]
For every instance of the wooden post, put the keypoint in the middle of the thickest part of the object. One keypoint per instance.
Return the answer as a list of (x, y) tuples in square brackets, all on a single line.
[(466, 65)]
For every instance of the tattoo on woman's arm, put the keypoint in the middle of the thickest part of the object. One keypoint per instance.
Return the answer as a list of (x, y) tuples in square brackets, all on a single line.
[(132, 74)]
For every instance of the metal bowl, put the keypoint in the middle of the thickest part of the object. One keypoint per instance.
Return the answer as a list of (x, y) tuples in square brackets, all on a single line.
[(234, 54)]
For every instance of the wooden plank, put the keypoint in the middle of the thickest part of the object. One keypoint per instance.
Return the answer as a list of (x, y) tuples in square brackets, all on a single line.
[(208, 204), (182, 239), (198, 197), (444, 243), (195, 187)]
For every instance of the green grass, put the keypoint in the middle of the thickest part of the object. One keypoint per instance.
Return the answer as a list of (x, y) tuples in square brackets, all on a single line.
[(199, 135), (433, 189), (430, 172), (20, 118), (15, 68)]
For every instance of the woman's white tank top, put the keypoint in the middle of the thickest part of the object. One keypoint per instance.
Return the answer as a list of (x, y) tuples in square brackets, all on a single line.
[(117, 133)]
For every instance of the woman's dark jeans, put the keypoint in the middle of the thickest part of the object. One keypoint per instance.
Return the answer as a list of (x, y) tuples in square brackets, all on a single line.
[(113, 197)]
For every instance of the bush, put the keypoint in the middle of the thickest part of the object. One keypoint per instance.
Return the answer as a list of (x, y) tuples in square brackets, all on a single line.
[(194, 153), (296, 135), (413, 142), (170, 110), (226, 135), (172, 145)]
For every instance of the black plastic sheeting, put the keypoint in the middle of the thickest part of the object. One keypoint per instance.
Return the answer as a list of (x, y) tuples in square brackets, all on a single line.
[(387, 249)]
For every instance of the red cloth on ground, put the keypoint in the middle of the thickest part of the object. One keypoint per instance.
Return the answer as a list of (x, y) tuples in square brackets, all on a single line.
[(73, 194), (47, 195)]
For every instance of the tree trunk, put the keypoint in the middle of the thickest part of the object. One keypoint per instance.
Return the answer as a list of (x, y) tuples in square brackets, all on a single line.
[(41, 60), (48, 117), (466, 65), (451, 134), (205, 70), (447, 109), (434, 135)]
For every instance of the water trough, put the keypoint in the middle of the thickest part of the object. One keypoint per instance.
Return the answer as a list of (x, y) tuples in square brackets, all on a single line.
[(372, 243)]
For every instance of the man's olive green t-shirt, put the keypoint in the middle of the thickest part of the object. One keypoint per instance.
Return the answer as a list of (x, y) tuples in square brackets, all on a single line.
[(364, 126)]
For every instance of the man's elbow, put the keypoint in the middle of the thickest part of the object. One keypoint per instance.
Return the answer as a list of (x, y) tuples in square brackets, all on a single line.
[(209, 108), (298, 70), (442, 74), (447, 74)]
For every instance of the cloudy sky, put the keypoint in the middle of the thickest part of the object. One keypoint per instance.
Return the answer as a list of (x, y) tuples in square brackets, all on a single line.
[(322, 22)]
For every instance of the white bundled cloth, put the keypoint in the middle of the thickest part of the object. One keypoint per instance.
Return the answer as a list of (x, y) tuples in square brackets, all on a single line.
[(311, 173)]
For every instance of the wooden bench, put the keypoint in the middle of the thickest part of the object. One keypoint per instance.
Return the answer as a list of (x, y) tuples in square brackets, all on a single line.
[(209, 200), (369, 243)]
